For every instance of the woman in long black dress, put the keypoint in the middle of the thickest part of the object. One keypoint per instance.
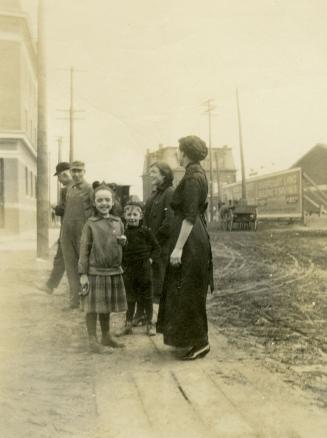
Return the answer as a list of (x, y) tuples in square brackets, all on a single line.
[(182, 313)]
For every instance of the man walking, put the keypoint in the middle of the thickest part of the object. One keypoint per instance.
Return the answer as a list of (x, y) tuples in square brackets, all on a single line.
[(79, 207), (64, 177)]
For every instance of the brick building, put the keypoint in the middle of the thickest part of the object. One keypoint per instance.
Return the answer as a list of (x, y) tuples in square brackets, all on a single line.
[(226, 166), (18, 120)]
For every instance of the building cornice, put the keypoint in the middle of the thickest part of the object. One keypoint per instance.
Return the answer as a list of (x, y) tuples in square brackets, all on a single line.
[(26, 29), (18, 136)]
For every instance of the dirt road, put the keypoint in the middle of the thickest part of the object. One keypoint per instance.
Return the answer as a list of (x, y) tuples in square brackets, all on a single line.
[(52, 387), (272, 301)]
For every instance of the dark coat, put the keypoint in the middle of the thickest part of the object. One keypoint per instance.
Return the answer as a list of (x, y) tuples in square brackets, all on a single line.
[(141, 245), (60, 208), (182, 313), (158, 215)]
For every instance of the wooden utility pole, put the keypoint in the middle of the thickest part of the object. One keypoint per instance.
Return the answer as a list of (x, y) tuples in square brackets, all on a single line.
[(241, 149), (42, 203), (210, 108), (59, 140), (218, 178), (71, 112)]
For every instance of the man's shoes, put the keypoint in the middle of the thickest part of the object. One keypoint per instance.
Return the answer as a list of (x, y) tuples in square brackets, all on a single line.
[(109, 341), (94, 347), (197, 352), (45, 288), (150, 330)]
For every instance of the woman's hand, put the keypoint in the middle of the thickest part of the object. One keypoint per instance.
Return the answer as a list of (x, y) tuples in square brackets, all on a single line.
[(176, 257), (84, 281)]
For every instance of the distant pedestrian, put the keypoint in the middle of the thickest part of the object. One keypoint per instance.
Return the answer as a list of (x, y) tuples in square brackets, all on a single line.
[(100, 269), (140, 251), (79, 207), (182, 312), (58, 270)]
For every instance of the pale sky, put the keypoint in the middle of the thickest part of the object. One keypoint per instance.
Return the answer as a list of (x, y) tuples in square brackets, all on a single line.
[(150, 64)]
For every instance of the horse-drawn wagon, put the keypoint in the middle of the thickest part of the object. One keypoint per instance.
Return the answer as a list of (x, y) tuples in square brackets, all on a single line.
[(240, 217)]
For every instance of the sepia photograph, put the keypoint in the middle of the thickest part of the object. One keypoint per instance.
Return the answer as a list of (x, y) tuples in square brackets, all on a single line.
[(163, 219)]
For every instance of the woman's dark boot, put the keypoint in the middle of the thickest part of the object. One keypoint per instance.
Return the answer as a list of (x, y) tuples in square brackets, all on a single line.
[(197, 352)]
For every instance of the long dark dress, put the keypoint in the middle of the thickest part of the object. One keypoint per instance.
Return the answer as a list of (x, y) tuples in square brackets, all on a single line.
[(182, 314)]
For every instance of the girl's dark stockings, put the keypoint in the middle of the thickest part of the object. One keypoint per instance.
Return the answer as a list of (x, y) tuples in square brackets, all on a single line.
[(91, 323)]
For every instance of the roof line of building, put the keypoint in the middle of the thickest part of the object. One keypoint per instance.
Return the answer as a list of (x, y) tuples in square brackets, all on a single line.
[(27, 25), (322, 145), (266, 175)]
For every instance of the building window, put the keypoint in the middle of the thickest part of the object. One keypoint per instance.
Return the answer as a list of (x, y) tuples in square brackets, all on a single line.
[(26, 181), (32, 184), (221, 163)]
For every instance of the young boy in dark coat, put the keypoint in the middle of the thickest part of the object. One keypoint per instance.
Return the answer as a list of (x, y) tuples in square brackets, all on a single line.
[(141, 248)]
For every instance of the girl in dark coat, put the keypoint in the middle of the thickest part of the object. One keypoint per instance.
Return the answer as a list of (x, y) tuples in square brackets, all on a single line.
[(158, 217), (182, 312)]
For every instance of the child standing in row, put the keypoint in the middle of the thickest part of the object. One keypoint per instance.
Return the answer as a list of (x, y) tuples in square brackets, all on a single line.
[(100, 269), (141, 248)]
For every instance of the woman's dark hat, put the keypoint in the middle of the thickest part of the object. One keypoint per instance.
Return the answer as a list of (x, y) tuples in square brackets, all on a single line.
[(193, 147), (61, 167)]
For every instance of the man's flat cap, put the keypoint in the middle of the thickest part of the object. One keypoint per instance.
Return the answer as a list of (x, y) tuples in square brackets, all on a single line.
[(61, 167)]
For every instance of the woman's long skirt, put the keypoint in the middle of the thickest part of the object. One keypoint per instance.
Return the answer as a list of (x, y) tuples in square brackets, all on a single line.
[(182, 317)]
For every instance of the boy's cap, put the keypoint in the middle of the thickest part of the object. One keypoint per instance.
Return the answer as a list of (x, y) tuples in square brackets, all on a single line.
[(133, 203), (61, 167), (77, 165)]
